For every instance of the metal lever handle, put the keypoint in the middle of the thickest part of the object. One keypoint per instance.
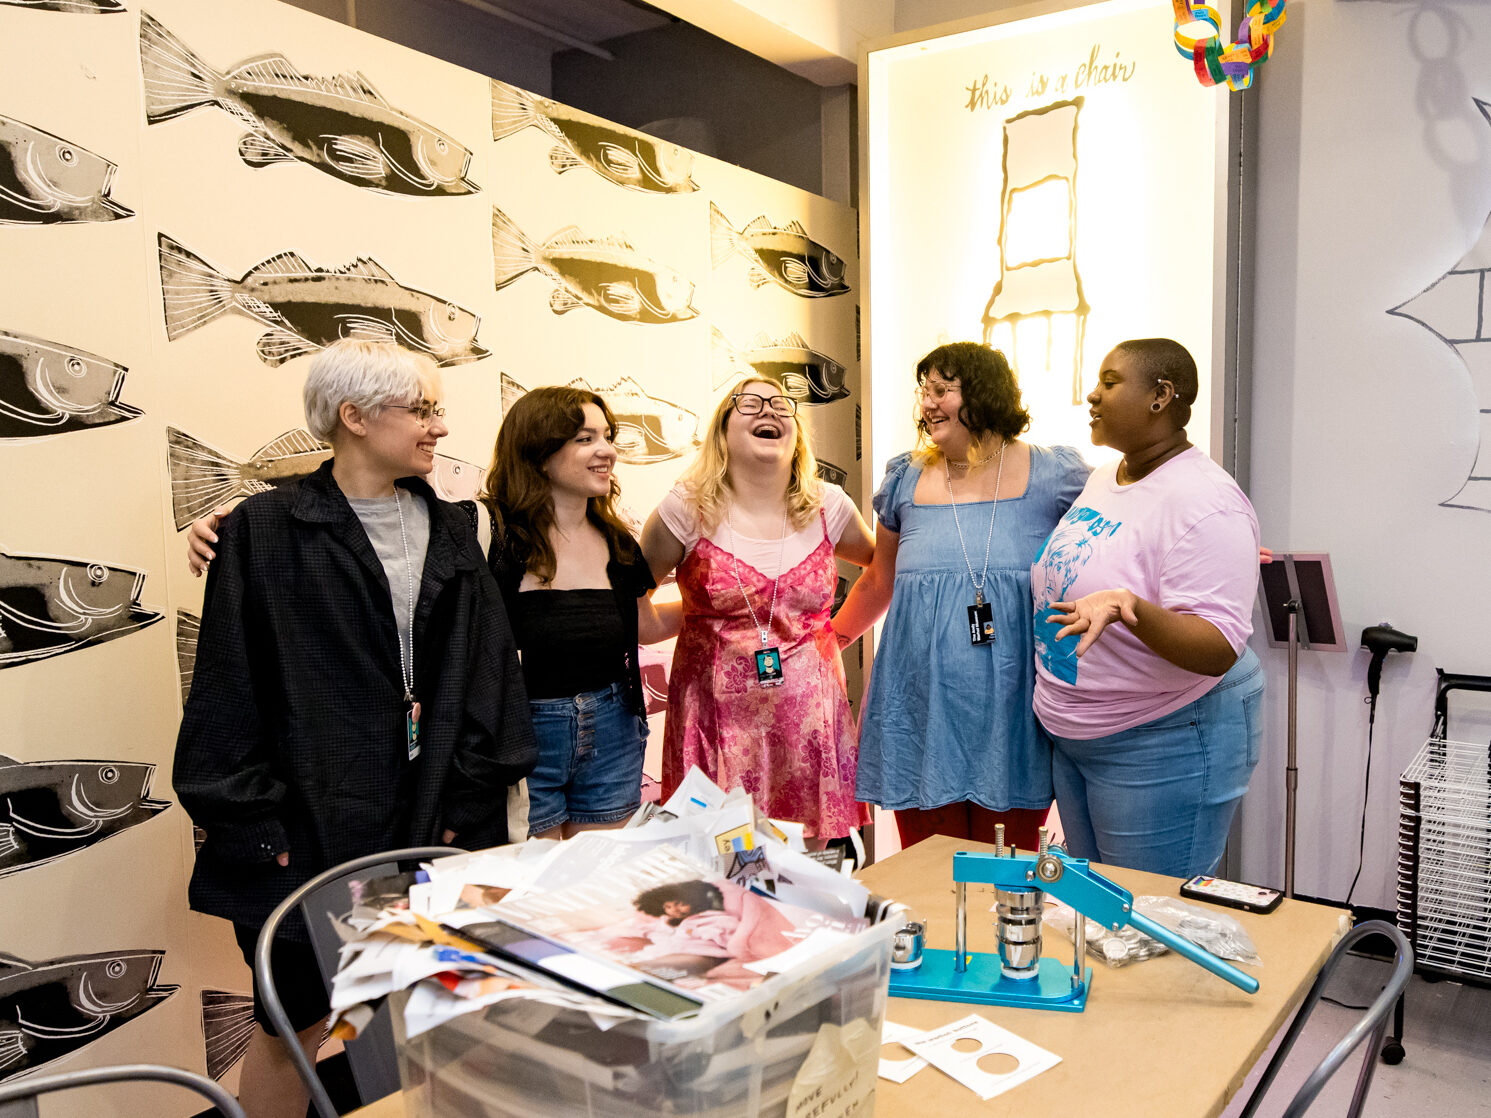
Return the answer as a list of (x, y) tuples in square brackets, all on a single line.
[(1198, 955)]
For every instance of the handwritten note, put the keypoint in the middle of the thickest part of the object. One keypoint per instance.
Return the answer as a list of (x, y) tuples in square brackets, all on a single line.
[(1098, 70)]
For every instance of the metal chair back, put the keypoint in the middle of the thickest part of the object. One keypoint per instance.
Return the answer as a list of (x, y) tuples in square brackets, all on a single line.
[(1373, 1025), (18, 1100), (274, 1007)]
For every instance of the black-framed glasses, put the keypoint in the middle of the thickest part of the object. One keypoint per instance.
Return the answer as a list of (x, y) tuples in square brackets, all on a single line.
[(750, 403), (424, 411)]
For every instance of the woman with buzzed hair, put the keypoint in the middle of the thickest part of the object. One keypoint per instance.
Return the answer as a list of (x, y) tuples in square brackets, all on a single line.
[(1143, 607)]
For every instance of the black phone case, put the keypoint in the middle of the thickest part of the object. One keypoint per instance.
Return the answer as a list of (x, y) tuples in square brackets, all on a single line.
[(1193, 894)]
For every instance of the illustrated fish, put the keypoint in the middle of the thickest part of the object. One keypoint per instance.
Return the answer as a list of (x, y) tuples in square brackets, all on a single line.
[(654, 665), (203, 477), (46, 180), (52, 808), (227, 1028), (307, 308), (827, 471), (648, 429), (78, 7), (783, 255), (53, 1007), (626, 157), (608, 275), (49, 389), (188, 627), (50, 606), (340, 125), (810, 377)]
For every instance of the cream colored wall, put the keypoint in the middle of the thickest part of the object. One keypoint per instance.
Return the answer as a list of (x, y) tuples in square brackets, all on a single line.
[(103, 494)]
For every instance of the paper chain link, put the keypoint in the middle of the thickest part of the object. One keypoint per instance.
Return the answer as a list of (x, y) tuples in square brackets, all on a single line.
[(1216, 63)]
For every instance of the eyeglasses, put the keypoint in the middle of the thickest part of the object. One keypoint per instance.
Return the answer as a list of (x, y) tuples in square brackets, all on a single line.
[(749, 403), (936, 389), (423, 412)]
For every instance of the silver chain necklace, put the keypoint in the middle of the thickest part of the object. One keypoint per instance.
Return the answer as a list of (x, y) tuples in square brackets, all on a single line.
[(979, 579), (765, 630), (406, 663)]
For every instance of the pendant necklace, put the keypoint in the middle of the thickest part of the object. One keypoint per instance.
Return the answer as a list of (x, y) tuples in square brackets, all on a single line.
[(981, 613), (406, 662), (768, 656)]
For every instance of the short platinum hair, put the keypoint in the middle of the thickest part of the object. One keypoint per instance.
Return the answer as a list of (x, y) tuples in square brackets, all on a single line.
[(367, 374)]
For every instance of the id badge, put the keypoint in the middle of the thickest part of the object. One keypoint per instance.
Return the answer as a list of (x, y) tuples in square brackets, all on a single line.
[(768, 667), (411, 729), (981, 623)]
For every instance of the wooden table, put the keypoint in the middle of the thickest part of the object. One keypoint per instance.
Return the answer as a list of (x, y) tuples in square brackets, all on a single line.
[(1161, 1037)]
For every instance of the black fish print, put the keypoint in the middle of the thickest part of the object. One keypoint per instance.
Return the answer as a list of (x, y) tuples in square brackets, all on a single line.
[(827, 471), (624, 156), (49, 606), (810, 377), (784, 255), (78, 7), (50, 389), (188, 626), (606, 274), (46, 180), (52, 808), (203, 477), (340, 125), (53, 1007), (227, 1027), (307, 308), (648, 429)]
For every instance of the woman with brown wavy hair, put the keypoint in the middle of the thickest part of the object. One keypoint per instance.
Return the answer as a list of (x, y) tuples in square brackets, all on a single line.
[(756, 695), (576, 588)]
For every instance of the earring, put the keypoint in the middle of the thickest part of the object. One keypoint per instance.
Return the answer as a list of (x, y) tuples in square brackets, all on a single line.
[(1156, 406)]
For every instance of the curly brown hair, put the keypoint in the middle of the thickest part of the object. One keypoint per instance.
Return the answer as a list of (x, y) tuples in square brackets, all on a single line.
[(517, 492), (991, 392)]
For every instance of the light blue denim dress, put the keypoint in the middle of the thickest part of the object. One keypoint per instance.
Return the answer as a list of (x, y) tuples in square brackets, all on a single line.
[(946, 720)]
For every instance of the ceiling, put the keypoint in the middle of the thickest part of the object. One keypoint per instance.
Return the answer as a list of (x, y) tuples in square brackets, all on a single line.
[(583, 21)]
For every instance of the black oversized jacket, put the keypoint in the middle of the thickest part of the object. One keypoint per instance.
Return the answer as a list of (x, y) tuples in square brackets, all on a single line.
[(293, 736)]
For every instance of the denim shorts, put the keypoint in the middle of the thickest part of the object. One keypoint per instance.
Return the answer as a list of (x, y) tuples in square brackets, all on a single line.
[(590, 750), (1161, 796)]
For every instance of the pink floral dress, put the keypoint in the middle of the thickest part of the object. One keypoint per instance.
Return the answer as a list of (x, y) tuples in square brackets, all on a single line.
[(791, 746)]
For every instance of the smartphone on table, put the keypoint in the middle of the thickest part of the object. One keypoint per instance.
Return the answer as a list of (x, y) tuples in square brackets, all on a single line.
[(1233, 894)]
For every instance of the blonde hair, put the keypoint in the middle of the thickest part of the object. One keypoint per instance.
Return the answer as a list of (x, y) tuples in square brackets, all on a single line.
[(708, 477), (365, 373)]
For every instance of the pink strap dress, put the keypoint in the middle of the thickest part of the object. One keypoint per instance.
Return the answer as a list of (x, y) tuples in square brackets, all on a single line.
[(791, 746)]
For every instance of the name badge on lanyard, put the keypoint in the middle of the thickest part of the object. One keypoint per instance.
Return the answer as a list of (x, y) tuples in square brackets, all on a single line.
[(981, 622), (411, 727), (769, 666)]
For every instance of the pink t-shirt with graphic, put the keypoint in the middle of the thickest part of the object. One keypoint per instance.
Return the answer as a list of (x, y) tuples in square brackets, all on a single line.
[(1186, 538)]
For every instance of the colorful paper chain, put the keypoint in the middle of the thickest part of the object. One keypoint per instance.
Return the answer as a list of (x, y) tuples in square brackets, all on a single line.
[(1216, 63)]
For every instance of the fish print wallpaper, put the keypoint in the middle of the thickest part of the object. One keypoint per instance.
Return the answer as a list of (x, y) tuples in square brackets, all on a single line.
[(202, 197)]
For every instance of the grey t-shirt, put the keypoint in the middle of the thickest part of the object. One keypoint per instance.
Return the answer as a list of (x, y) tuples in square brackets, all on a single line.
[(380, 519)]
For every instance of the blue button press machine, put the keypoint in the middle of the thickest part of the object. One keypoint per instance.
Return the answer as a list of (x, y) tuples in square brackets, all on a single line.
[(1018, 975)]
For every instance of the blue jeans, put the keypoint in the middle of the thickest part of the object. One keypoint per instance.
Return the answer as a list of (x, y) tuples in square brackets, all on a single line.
[(1161, 796), (590, 750)]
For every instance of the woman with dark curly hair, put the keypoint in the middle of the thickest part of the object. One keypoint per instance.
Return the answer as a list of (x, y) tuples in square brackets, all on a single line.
[(947, 738)]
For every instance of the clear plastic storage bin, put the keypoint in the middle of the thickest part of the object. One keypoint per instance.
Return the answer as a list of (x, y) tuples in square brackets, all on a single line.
[(747, 1057)]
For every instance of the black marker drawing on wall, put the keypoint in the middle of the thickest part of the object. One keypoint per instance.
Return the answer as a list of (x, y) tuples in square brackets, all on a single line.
[(341, 125), (604, 273), (784, 255), (52, 808), (1039, 284), (307, 308), (188, 626), (623, 155), (203, 477), (46, 180), (49, 606), (810, 377), (655, 665), (52, 1007), (1456, 309), (77, 7), (649, 429), (227, 1027), (50, 389)]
